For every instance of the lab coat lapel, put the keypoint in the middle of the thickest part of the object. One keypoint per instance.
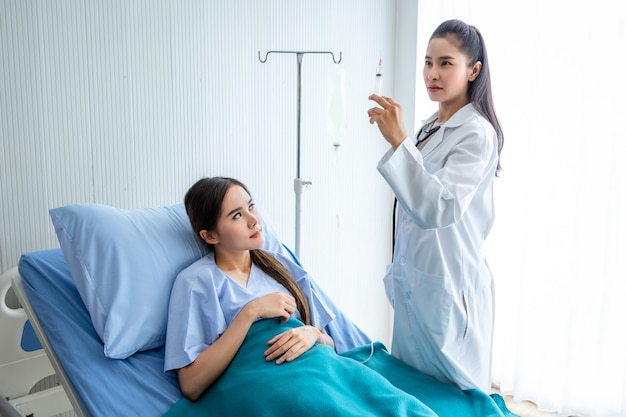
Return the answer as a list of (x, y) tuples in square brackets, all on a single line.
[(433, 142), (456, 120)]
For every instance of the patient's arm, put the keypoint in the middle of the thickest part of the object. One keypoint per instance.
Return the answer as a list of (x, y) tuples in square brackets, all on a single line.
[(196, 377)]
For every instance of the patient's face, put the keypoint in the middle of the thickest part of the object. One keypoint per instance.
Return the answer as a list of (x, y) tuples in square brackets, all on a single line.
[(239, 225)]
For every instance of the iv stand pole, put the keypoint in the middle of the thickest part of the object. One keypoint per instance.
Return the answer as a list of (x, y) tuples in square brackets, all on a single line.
[(299, 183)]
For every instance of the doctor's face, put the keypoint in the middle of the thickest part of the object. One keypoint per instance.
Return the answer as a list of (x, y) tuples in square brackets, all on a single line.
[(239, 225), (446, 72)]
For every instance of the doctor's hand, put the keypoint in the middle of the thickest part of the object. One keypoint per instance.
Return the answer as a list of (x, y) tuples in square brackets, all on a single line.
[(272, 305), (388, 118), (290, 344)]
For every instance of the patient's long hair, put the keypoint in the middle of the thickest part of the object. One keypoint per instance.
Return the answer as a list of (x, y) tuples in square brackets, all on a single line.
[(203, 202)]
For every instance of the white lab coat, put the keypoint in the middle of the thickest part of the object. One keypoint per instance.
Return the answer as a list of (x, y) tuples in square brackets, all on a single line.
[(439, 283)]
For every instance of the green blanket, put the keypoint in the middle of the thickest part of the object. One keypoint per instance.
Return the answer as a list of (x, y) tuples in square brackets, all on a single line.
[(323, 383)]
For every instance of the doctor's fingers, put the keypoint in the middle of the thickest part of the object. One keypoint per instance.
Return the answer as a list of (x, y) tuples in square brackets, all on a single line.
[(377, 99), (382, 101), (393, 112), (381, 116), (390, 109), (391, 102), (387, 120), (373, 114)]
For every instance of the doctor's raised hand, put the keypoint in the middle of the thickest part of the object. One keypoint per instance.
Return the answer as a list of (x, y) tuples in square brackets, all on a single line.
[(388, 118)]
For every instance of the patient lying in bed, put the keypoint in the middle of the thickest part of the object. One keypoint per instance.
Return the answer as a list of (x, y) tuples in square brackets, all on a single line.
[(215, 300)]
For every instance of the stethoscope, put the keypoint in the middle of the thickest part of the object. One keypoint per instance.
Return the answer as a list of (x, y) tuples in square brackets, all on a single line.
[(428, 132)]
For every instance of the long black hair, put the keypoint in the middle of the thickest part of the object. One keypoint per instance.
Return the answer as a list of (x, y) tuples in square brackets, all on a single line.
[(203, 202), (472, 44)]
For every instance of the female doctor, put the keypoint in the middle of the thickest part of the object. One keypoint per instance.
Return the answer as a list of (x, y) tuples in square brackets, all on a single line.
[(439, 283)]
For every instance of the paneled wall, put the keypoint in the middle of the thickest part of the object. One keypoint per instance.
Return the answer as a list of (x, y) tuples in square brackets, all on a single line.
[(129, 103)]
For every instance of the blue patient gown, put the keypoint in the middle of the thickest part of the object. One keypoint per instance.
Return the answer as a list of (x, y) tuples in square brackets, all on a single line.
[(205, 300)]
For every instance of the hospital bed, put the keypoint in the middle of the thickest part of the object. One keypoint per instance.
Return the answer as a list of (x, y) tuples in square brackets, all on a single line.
[(94, 382)]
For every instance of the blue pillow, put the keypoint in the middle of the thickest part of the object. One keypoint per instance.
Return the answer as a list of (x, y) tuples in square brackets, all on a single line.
[(124, 263)]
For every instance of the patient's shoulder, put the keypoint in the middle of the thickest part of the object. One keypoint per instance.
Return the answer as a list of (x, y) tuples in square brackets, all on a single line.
[(203, 269)]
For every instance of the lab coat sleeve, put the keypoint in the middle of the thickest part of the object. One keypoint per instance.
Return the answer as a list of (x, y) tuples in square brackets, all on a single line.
[(439, 197)]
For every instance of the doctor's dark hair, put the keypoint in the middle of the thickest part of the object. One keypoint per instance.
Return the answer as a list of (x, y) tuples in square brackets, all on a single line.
[(472, 44), (203, 202)]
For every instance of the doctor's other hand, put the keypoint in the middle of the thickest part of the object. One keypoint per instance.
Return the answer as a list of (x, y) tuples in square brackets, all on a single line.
[(388, 118)]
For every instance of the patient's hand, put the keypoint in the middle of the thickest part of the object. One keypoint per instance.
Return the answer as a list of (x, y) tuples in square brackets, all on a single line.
[(272, 305), (290, 344)]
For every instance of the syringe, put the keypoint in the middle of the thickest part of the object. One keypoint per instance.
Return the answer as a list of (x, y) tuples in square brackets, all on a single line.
[(378, 85)]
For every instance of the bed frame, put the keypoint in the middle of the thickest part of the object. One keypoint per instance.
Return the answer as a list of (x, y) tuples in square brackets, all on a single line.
[(23, 362)]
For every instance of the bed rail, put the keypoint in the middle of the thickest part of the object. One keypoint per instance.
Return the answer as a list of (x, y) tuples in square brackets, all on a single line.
[(23, 362)]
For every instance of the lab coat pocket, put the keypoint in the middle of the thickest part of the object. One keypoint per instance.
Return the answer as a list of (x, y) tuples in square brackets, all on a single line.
[(432, 298)]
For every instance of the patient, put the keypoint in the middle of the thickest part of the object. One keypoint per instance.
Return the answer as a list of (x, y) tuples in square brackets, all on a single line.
[(215, 301)]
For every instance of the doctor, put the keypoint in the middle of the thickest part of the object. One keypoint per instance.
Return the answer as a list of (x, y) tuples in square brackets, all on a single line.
[(439, 283)]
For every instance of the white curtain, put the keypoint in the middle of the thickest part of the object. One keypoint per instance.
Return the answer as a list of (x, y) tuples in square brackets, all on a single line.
[(558, 247)]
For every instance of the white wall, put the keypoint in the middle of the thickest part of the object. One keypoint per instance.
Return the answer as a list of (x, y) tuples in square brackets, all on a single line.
[(129, 103)]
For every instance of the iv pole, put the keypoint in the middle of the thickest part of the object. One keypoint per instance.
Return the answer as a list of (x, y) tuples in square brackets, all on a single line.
[(299, 183)]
